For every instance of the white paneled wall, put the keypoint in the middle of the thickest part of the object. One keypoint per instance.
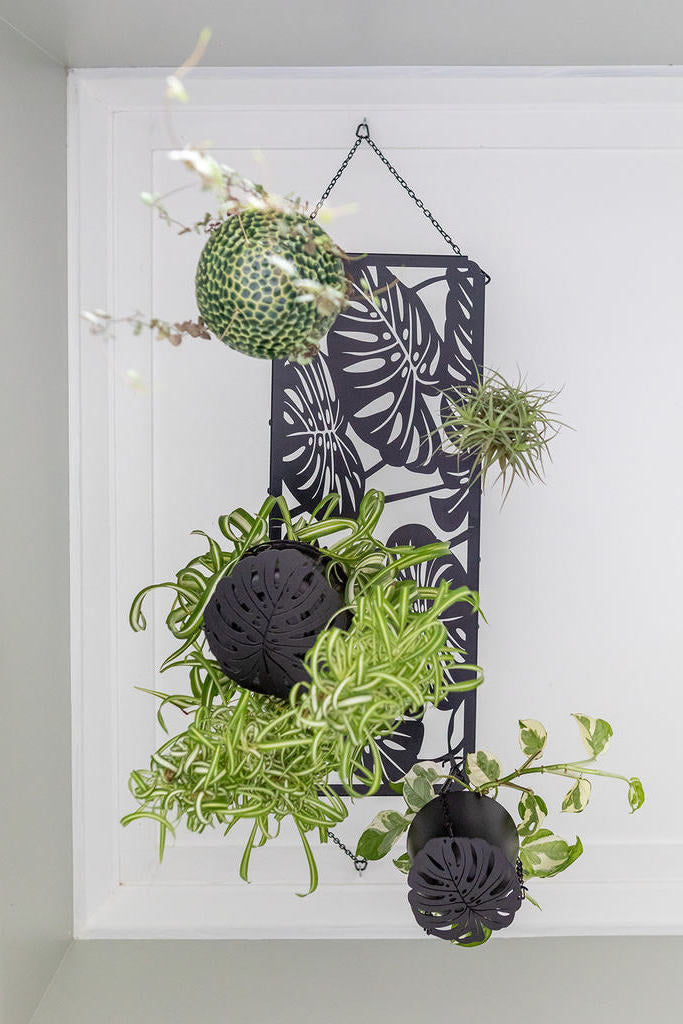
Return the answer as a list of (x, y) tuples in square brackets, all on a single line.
[(567, 191)]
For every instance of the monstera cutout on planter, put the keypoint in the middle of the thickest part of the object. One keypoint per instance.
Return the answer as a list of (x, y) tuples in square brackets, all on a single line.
[(370, 408), (264, 617), (318, 653), (466, 860), (463, 878)]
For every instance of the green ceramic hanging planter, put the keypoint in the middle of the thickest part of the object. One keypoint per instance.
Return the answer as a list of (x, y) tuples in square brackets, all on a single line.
[(270, 284)]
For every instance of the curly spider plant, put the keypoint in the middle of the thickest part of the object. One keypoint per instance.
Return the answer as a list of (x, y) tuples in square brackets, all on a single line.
[(501, 425), (249, 755)]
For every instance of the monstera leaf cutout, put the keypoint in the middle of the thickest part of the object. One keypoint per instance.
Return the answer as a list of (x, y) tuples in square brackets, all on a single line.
[(459, 497), (463, 889), (460, 621), (464, 323), (264, 616), (446, 568), (318, 457), (398, 752), (386, 341)]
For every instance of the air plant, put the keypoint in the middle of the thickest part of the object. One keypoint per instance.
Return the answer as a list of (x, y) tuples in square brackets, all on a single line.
[(502, 426), (249, 755)]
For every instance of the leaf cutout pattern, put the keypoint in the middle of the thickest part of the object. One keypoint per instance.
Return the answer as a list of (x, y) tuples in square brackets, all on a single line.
[(389, 349), (318, 456), (460, 887), (264, 616), (464, 323), (399, 751), (460, 622), (346, 379)]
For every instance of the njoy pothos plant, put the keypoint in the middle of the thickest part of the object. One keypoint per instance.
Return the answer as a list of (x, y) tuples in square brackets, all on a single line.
[(542, 853), (251, 756)]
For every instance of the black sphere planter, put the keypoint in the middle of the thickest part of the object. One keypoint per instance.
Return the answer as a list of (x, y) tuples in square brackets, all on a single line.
[(264, 617), (463, 878)]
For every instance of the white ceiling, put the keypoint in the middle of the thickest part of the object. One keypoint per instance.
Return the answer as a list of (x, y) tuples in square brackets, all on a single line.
[(149, 33)]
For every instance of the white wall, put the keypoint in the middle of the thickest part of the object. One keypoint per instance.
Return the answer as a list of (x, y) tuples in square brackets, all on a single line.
[(527, 174), (35, 851)]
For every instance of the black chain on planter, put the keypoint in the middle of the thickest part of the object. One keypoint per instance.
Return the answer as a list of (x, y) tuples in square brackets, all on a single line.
[(363, 135), (359, 863), (520, 876)]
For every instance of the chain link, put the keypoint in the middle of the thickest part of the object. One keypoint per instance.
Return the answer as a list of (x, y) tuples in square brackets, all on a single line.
[(359, 863), (520, 876), (363, 135), (345, 163)]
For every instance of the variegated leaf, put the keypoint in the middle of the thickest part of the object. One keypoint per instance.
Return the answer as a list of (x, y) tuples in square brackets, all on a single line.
[(532, 736), (482, 767), (636, 794), (577, 797), (532, 810), (418, 785), (545, 854), (381, 834), (596, 734), (403, 863)]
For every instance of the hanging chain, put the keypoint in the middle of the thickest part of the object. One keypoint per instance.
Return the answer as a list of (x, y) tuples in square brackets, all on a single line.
[(345, 163), (363, 135), (520, 876), (359, 863)]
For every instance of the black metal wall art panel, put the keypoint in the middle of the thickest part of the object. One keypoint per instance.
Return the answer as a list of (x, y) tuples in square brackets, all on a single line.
[(366, 413)]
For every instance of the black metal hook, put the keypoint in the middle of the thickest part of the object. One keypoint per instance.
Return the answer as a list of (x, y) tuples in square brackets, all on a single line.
[(363, 129)]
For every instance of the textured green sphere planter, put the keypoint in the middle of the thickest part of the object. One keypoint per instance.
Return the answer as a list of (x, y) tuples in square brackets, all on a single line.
[(270, 284)]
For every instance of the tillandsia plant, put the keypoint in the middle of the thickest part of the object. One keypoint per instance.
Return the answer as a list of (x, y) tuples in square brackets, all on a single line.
[(249, 754), (501, 426), (461, 859), (269, 282)]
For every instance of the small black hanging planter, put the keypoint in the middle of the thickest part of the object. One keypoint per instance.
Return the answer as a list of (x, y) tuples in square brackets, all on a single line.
[(463, 879), (264, 617)]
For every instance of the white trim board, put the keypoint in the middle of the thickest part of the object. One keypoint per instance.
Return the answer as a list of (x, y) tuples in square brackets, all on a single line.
[(114, 132)]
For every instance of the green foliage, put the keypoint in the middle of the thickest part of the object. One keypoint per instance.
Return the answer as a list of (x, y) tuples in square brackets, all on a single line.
[(482, 768), (249, 756), (532, 811), (502, 425), (596, 734), (532, 736), (543, 853), (388, 826)]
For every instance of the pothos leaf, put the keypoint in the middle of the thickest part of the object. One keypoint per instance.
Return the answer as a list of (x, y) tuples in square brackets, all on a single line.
[(381, 834), (545, 854), (482, 767), (403, 863), (486, 935), (595, 734), (636, 794), (577, 797), (418, 785), (532, 810), (532, 736)]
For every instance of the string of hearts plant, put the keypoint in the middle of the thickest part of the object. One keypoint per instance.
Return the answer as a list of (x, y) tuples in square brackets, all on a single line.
[(269, 282), (542, 853)]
